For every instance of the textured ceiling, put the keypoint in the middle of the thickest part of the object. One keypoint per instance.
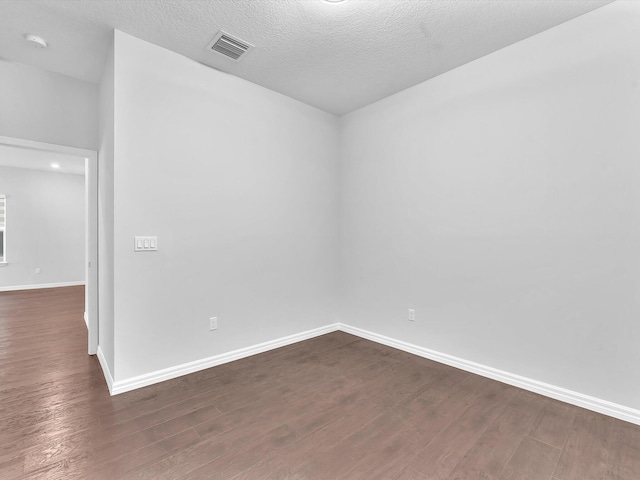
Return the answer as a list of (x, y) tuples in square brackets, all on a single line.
[(335, 56), (32, 159)]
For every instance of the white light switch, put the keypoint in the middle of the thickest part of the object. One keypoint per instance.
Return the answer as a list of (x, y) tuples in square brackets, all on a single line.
[(145, 244)]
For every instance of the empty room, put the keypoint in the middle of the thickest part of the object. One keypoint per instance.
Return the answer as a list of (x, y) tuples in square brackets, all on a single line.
[(320, 239)]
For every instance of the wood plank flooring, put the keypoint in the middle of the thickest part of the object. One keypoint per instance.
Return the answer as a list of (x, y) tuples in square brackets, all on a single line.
[(334, 407)]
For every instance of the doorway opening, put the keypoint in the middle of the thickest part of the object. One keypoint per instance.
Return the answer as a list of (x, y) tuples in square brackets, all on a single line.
[(32, 155)]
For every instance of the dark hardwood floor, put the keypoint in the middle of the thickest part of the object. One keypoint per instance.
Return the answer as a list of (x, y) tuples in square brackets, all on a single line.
[(334, 407)]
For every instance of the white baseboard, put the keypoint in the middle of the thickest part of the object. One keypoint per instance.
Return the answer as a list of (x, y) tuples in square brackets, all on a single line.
[(568, 396), (191, 367), (575, 398), (105, 370), (40, 285)]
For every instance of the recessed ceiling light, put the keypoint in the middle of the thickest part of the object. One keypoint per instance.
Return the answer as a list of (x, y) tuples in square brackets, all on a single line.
[(55, 165), (35, 40), (334, 1)]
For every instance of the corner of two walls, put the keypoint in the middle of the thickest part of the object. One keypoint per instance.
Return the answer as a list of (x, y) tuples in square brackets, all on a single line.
[(497, 200)]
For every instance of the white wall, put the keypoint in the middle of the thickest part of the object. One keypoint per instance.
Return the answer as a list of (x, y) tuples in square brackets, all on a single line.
[(47, 107), (45, 227), (240, 185), (501, 200), (105, 215)]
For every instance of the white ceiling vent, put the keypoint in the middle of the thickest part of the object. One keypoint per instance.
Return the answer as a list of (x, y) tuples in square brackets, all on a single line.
[(230, 46)]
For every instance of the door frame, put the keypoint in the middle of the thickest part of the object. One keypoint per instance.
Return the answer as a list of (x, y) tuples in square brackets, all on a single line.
[(91, 226)]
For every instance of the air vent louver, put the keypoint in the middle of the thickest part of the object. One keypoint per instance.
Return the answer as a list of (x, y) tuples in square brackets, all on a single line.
[(230, 46)]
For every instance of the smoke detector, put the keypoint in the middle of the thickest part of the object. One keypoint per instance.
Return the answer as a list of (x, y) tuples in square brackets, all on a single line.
[(35, 40), (230, 46)]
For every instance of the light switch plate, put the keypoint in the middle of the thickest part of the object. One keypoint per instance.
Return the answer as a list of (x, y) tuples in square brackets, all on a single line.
[(145, 244)]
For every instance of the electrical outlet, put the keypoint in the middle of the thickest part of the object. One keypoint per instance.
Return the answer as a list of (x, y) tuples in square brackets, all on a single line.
[(412, 315), (38, 271), (213, 323)]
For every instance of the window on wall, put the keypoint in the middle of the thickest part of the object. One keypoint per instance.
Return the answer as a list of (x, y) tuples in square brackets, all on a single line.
[(3, 228)]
